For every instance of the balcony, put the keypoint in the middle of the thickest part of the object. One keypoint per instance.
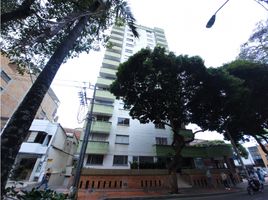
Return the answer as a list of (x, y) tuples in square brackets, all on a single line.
[(96, 147), (196, 152), (110, 63), (104, 95), (104, 82), (105, 72), (101, 127), (33, 148), (103, 109), (109, 53)]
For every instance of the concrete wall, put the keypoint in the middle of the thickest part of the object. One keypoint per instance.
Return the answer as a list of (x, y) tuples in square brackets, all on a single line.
[(14, 91)]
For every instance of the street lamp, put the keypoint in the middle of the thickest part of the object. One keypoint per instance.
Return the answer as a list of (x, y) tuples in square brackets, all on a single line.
[(213, 18), (83, 148)]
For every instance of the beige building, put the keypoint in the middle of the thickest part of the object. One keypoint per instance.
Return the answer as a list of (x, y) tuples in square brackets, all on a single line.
[(14, 86)]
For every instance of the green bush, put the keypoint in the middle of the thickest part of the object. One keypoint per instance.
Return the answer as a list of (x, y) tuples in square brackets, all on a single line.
[(34, 194)]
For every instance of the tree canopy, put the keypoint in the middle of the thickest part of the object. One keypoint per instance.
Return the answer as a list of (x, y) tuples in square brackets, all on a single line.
[(256, 48), (31, 39), (47, 35)]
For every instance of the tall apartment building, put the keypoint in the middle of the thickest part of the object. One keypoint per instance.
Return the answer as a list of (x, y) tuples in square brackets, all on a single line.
[(14, 86), (116, 140)]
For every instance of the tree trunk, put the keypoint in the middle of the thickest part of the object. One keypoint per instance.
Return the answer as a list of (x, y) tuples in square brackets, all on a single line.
[(17, 128), (178, 144), (21, 12), (265, 150)]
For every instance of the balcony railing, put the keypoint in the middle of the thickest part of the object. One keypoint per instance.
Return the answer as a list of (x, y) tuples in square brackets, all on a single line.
[(196, 152), (104, 95), (96, 147), (105, 72), (103, 109), (103, 82), (101, 127)]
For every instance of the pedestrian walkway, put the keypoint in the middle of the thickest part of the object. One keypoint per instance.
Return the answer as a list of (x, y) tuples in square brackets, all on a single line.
[(143, 194)]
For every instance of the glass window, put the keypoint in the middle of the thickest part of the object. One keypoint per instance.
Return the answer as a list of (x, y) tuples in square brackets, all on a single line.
[(122, 139), (129, 45), (4, 76), (94, 159), (161, 140), (130, 40), (123, 121), (120, 160), (128, 51)]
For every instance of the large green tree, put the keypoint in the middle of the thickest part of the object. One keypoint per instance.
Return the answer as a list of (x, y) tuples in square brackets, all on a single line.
[(237, 102), (254, 121), (159, 87), (84, 25)]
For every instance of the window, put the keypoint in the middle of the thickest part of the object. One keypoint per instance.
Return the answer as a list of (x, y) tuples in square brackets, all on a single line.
[(40, 137), (122, 139), (4, 76), (102, 118), (129, 34), (130, 40), (161, 141), (128, 51), (129, 45), (94, 159), (159, 126), (123, 121), (1, 89), (120, 160), (150, 40)]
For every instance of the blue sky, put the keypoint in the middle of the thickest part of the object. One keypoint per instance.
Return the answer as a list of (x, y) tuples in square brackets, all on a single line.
[(184, 22)]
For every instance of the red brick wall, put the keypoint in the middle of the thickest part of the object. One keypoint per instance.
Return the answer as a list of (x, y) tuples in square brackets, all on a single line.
[(124, 182)]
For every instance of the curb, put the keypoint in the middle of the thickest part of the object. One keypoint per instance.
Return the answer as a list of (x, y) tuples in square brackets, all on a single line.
[(172, 196)]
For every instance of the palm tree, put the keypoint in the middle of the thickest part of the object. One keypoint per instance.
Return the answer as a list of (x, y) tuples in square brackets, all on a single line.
[(16, 129)]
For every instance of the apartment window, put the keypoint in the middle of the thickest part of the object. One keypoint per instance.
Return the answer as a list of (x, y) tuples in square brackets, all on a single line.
[(94, 159), (123, 121), (102, 118), (128, 51), (129, 45), (161, 141), (40, 137), (4, 76), (129, 34), (130, 40), (1, 89), (120, 160), (122, 139), (159, 126), (150, 40)]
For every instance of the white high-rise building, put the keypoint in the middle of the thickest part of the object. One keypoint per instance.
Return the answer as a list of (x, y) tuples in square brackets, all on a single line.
[(116, 140)]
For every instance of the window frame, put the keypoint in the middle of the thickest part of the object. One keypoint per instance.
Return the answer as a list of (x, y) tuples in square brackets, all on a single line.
[(124, 160)]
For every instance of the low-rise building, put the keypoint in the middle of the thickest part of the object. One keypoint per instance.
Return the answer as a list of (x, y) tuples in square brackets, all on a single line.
[(46, 146)]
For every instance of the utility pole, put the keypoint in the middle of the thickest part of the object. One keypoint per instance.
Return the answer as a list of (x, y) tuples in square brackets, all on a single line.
[(74, 191)]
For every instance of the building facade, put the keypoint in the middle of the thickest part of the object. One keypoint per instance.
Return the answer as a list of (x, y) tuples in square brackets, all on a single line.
[(14, 86), (46, 146), (116, 140)]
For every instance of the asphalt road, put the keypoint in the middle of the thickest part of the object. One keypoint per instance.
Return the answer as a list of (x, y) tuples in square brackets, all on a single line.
[(235, 196)]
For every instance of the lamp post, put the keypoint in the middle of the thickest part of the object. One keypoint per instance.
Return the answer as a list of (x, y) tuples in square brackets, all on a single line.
[(73, 193), (213, 18)]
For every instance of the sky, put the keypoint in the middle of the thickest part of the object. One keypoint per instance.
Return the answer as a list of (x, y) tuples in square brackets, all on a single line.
[(184, 23)]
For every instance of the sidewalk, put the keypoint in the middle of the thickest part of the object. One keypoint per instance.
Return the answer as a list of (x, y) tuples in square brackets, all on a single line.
[(150, 194)]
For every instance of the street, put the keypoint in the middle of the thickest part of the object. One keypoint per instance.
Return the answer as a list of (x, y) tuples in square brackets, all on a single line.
[(235, 196)]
